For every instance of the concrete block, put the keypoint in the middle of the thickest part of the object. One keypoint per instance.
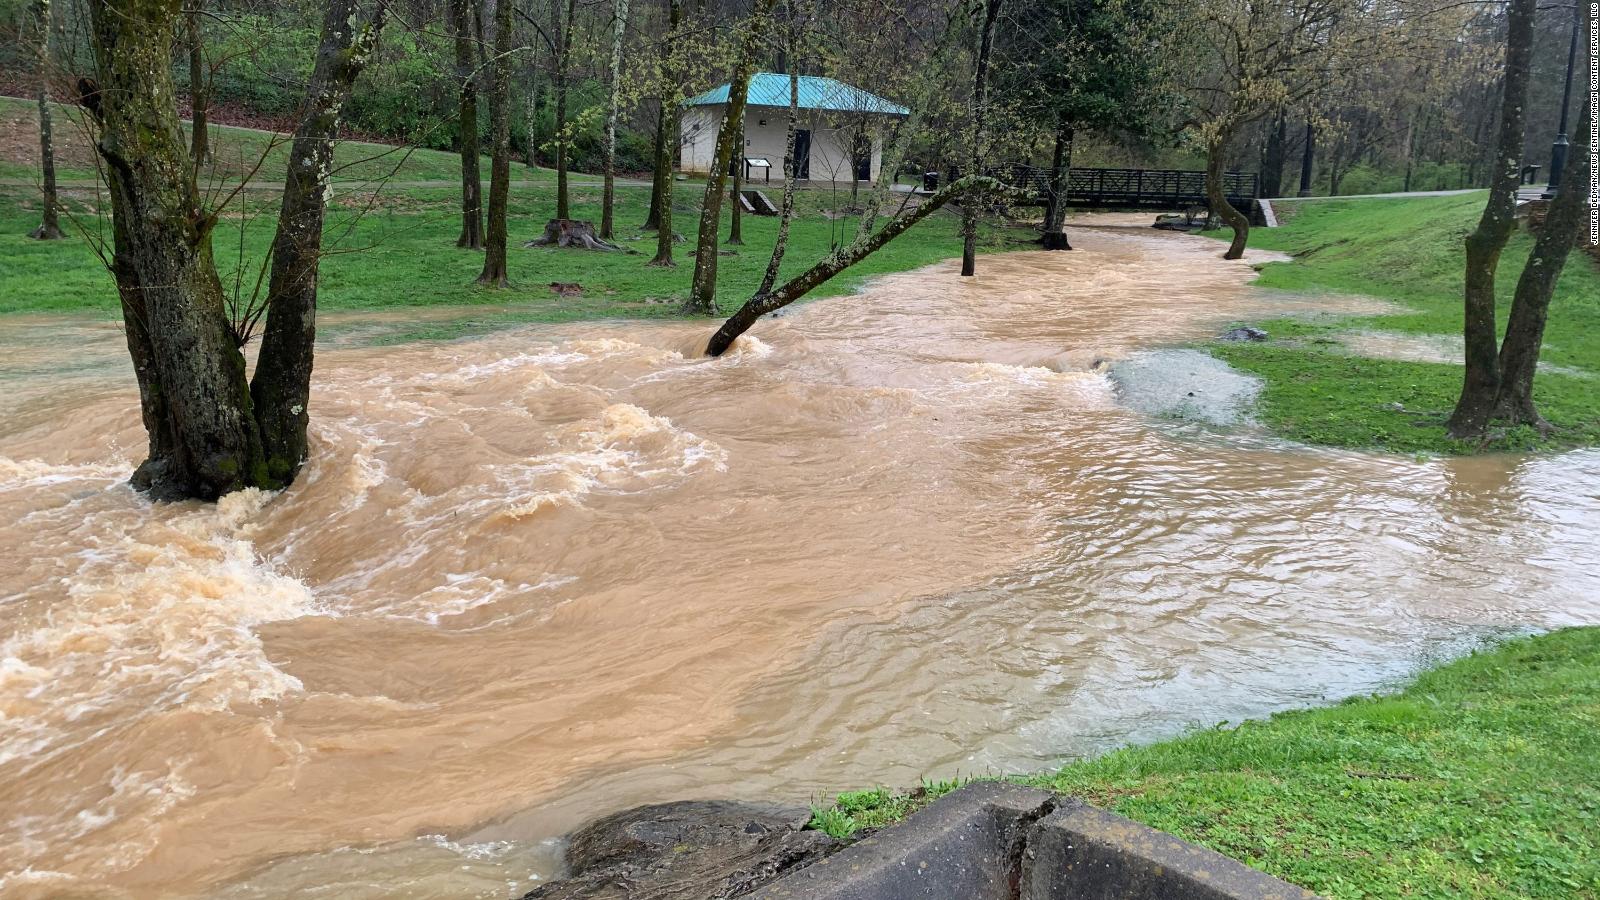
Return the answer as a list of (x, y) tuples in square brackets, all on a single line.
[(1081, 852), (968, 845)]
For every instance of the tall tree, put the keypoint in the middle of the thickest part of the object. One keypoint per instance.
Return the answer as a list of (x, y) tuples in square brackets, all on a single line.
[(1256, 56), (619, 25), (736, 194), (1530, 305), (464, 21), (199, 134), (50, 222), (495, 273), (791, 166), (703, 288), (667, 140), (204, 438), (563, 61), (1480, 384), (1274, 155), (975, 155), (1075, 65), (281, 388)]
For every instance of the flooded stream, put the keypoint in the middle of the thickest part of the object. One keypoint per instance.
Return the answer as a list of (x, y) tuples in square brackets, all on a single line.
[(542, 575)]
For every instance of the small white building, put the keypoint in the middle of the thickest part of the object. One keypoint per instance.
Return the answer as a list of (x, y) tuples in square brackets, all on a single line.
[(839, 137)]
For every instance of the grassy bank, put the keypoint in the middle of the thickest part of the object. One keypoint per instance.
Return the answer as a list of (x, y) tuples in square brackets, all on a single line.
[(1477, 780), (236, 152), (1408, 251), (401, 253)]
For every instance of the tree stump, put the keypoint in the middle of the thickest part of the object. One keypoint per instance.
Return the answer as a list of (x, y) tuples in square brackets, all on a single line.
[(572, 234)]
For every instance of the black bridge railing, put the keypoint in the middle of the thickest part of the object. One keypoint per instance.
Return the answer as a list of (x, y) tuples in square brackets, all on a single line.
[(1164, 188)]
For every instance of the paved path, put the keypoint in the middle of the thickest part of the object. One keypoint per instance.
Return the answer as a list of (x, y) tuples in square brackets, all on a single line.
[(1372, 196)]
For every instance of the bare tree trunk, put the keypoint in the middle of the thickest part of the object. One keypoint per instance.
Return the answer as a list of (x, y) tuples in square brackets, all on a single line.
[(980, 92), (495, 273), (563, 59), (1481, 381), (199, 137), (1530, 307), (660, 168), (1217, 197), (1055, 214), (618, 28), (666, 147), (1307, 159), (735, 227), (1272, 158), (837, 262), (50, 223), (1411, 149), (703, 289), (281, 388), (791, 174), (191, 372), (463, 18)]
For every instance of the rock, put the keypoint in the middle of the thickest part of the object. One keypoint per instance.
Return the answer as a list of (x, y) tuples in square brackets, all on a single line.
[(693, 850), (1243, 333)]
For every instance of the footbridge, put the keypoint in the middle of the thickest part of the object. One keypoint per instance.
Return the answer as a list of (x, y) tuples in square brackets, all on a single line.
[(1134, 188)]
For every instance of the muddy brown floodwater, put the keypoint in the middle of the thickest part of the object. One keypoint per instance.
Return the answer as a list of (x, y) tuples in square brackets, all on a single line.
[(537, 576)]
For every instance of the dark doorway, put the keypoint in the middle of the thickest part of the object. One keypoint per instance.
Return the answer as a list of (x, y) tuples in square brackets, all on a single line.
[(802, 153), (861, 156)]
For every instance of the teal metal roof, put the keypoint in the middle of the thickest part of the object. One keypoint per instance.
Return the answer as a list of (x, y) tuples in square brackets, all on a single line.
[(771, 89)]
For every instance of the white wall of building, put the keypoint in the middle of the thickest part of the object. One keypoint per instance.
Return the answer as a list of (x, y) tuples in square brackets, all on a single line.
[(831, 137)]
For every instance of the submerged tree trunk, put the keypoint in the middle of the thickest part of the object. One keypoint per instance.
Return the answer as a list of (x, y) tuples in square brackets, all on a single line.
[(791, 173), (199, 138), (980, 91), (495, 274), (838, 261), (1530, 307), (1055, 213), (50, 222), (281, 388), (1480, 384), (1217, 199), (563, 59), (619, 26), (462, 17), (190, 370), (703, 289)]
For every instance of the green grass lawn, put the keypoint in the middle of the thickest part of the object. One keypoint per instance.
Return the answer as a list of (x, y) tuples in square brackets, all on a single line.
[(1409, 251), (239, 150), (1480, 779), (402, 254)]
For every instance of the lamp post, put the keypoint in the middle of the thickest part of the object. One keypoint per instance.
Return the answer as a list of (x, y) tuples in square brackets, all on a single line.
[(1558, 151)]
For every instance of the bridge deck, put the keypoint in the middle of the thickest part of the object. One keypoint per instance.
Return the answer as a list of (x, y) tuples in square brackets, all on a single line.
[(1154, 188)]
